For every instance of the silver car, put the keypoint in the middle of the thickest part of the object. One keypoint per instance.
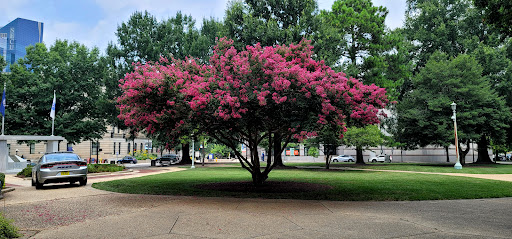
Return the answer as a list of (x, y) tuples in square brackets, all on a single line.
[(343, 158), (59, 167)]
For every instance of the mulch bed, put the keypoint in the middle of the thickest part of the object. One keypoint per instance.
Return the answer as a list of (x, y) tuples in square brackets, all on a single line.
[(267, 187)]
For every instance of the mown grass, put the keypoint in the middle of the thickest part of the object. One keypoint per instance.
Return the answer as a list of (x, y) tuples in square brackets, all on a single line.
[(346, 185), (421, 167)]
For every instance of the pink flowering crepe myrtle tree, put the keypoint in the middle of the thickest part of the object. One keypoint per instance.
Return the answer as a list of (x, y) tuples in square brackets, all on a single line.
[(246, 96)]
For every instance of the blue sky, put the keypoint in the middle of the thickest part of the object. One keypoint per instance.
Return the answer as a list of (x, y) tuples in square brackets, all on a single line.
[(94, 22)]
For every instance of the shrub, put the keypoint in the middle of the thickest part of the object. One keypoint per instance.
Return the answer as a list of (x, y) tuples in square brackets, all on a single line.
[(2, 178), (313, 151), (98, 168), (26, 172), (7, 230), (144, 155)]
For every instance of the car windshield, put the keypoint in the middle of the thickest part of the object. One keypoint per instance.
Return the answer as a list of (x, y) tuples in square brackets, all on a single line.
[(61, 157)]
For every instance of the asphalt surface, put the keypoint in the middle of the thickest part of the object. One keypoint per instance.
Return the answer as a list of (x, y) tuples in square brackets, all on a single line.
[(70, 211)]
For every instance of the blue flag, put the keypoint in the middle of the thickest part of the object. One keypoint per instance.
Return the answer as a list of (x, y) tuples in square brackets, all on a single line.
[(2, 106)]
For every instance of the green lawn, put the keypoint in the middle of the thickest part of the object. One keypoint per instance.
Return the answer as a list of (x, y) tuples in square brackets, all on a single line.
[(422, 167), (346, 185)]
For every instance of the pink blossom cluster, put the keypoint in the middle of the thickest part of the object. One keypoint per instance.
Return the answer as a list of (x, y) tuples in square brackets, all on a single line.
[(255, 85)]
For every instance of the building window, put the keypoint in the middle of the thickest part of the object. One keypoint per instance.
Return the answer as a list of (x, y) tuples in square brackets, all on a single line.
[(32, 148), (129, 149), (114, 149), (69, 147), (9, 148), (141, 148), (119, 149), (94, 148), (13, 57), (134, 147)]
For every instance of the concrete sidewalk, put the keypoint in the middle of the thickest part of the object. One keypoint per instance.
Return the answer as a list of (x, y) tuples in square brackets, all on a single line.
[(70, 211), (500, 177)]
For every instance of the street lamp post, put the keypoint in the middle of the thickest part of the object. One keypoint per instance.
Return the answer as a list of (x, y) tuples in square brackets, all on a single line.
[(193, 153), (454, 118)]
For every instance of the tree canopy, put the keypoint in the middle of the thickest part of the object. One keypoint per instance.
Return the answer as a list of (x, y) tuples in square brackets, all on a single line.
[(245, 96), (424, 115), (74, 72)]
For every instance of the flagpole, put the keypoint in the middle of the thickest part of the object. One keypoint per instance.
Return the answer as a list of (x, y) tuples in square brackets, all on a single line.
[(53, 118), (3, 115)]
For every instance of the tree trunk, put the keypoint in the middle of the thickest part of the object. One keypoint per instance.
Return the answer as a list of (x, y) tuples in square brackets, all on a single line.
[(258, 177), (327, 161), (463, 153), (483, 156), (447, 154), (278, 159), (185, 154), (359, 155)]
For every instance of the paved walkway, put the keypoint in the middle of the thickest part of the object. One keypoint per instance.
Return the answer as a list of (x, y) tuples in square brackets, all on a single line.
[(70, 211), (500, 177)]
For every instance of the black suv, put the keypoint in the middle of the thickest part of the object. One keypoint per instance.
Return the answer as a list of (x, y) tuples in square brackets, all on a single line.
[(168, 159)]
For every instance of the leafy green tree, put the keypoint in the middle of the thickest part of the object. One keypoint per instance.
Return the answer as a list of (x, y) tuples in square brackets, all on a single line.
[(361, 26), (424, 115), (450, 26), (143, 39), (270, 22), (3, 64), (220, 149), (361, 138), (497, 13), (74, 72), (327, 138)]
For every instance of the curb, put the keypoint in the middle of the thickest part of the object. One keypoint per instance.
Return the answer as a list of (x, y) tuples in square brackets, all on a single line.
[(5, 190)]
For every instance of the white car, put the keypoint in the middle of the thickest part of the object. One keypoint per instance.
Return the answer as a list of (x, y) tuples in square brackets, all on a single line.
[(343, 158), (381, 158)]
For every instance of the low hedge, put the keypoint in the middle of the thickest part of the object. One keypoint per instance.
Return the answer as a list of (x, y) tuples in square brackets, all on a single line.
[(98, 168), (26, 172)]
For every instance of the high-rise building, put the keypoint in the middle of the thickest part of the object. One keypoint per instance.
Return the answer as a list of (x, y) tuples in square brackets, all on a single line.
[(16, 36)]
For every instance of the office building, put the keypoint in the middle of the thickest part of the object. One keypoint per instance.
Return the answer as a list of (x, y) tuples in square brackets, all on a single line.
[(16, 36)]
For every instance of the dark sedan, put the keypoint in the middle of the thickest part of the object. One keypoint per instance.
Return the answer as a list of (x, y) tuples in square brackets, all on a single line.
[(127, 159)]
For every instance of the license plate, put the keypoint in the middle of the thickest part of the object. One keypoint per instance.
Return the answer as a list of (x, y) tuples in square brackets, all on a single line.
[(64, 173)]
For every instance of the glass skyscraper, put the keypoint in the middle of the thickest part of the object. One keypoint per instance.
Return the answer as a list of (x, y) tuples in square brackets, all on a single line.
[(16, 36)]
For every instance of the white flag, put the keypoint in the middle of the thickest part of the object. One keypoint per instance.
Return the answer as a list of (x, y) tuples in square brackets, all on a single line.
[(52, 113)]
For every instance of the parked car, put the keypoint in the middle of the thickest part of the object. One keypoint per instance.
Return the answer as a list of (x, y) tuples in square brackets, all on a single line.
[(168, 159), (127, 159), (381, 158), (501, 157), (59, 167), (343, 158)]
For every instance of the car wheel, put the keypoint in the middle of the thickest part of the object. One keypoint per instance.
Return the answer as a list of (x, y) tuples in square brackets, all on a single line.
[(133, 162), (83, 182), (374, 160), (38, 184), (350, 160), (335, 160)]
